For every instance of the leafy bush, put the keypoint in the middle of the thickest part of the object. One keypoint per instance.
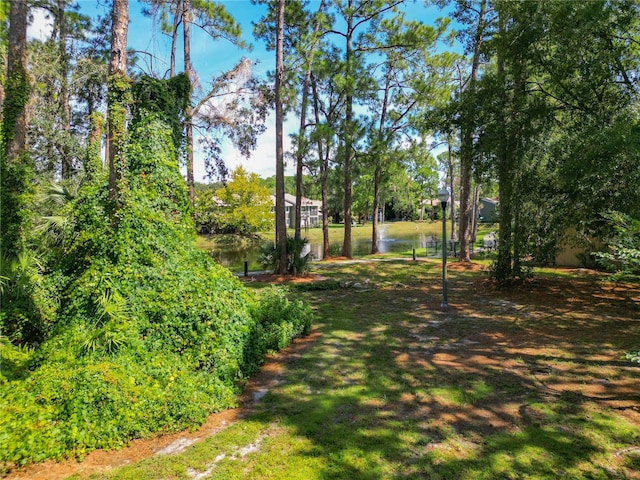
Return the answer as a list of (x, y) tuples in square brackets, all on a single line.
[(623, 257), (14, 360), (150, 334), (77, 406), (298, 256), (27, 305), (278, 321)]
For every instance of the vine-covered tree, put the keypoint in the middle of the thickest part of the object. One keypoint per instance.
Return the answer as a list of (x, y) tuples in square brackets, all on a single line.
[(213, 19), (118, 101), (16, 169)]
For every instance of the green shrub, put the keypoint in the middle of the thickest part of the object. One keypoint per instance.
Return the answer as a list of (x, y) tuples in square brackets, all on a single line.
[(623, 257), (65, 407), (298, 256), (14, 360), (278, 321)]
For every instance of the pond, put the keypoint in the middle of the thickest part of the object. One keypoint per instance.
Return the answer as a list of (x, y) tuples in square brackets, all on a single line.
[(392, 238)]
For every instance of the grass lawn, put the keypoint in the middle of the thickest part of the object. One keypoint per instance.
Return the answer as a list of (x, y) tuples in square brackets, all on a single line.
[(527, 383)]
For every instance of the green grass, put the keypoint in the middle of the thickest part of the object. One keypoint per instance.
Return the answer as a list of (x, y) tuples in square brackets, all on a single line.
[(394, 387)]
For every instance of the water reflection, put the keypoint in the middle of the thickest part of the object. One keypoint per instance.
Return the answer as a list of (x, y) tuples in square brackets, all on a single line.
[(234, 256)]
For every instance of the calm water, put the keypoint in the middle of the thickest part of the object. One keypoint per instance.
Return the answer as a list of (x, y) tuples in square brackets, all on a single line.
[(423, 243)]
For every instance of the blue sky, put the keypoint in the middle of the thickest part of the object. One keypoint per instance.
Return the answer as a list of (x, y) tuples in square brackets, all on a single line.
[(211, 58)]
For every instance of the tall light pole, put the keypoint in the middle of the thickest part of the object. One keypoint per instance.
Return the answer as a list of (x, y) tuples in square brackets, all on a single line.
[(443, 196)]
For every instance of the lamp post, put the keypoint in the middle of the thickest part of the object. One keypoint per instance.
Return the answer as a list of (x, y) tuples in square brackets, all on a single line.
[(443, 196)]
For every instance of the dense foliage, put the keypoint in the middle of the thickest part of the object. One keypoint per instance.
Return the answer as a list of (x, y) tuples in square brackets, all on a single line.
[(241, 206), (623, 255), (144, 333), (298, 256), (553, 118)]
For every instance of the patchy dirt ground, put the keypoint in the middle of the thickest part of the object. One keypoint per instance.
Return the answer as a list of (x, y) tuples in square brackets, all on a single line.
[(274, 278), (553, 338)]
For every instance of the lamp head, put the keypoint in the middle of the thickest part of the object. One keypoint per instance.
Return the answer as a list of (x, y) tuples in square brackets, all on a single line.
[(443, 196)]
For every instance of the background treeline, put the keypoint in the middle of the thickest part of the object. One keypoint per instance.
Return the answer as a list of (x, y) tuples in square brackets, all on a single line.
[(541, 100), (535, 103)]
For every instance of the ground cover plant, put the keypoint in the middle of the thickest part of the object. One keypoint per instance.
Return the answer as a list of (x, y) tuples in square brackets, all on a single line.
[(526, 383)]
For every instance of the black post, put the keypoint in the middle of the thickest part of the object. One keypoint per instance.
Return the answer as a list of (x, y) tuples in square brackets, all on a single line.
[(246, 268), (444, 254)]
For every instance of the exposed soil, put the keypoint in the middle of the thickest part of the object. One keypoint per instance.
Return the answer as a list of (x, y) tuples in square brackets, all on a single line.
[(275, 278)]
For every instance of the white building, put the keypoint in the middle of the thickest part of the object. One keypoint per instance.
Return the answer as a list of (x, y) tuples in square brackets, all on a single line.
[(310, 212)]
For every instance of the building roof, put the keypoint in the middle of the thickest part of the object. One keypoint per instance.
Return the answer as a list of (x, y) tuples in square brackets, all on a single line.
[(291, 201)]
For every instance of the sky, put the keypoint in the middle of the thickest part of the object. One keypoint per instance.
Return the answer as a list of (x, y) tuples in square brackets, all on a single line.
[(211, 58)]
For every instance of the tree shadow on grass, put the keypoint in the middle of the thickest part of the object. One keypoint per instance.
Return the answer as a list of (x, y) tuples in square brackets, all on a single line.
[(398, 389)]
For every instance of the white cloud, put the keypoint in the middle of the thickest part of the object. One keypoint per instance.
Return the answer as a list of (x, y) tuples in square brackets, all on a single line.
[(262, 160), (41, 26)]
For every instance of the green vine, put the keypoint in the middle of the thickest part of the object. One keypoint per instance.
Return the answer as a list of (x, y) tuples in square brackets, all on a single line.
[(16, 174), (137, 311), (167, 98), (118, 99), (93, 162), (17, 94)]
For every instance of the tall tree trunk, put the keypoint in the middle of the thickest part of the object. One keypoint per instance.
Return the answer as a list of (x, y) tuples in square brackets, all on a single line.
[(188, 114), (18, 88), (379, 164), (281, 221), (174, 39), (15, 168), (376, 207), (65, 112), (348, 137), (466, 141), (117, 101), (504, 261), (303, 125), (325, 205), (519, 93), (323, 156), (300, 153)]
